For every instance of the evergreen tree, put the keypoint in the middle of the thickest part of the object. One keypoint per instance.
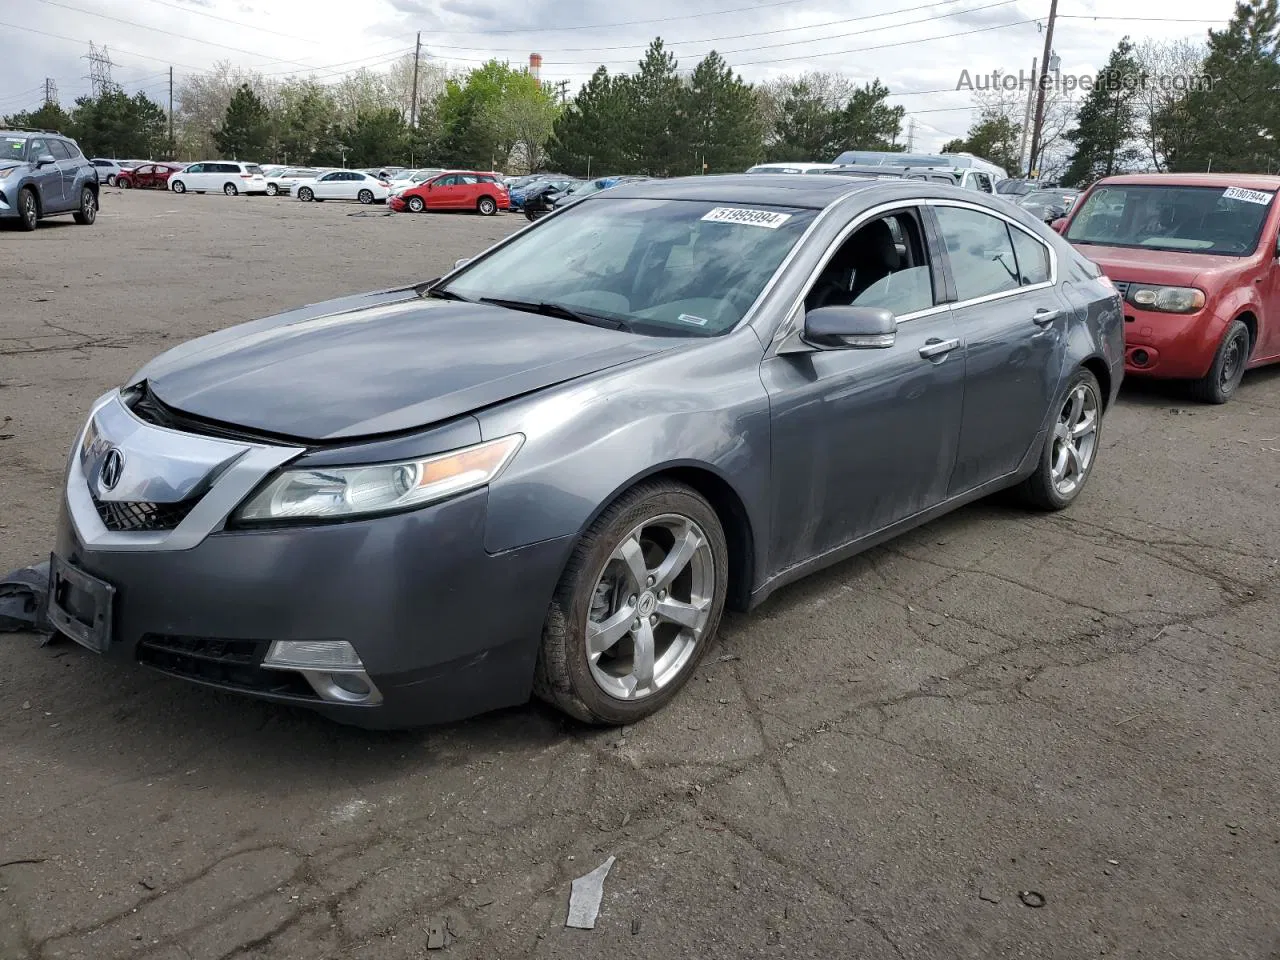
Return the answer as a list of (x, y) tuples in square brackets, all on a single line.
[(867, 122), (117, 125), (303, 122), (653, 132), (995, 138), (806, 124), (377, 137), (587, 135), (721, 125), (49, 116), (246, 130), (1107, 124), (1233, 124)]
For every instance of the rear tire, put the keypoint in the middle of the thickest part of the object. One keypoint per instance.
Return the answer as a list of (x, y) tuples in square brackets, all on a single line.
[(599, 587), (88, 210), (28, 209), (111, 180), (1224, 376), (1070, 450), (272, 190), (486, 207), (416, 204), (305, 194), (365, 197), (230, 190)]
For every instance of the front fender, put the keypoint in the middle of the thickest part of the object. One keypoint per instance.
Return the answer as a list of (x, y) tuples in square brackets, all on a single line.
[(701, 406)]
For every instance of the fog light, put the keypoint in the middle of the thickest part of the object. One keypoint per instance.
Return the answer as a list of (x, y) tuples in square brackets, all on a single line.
[(353, 683), (327, 655), (1139, 358)]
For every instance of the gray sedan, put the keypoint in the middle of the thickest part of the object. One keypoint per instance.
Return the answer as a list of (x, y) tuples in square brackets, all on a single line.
[(550, 471)]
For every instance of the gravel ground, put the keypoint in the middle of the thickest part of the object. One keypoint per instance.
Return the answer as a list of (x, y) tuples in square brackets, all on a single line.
[(874, 764)]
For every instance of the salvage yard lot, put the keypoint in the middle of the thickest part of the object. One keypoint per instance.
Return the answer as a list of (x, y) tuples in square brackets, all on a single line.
[(872, 765)]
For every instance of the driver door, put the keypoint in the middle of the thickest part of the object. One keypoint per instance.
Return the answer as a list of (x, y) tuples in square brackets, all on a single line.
[(443, 194), (866, 437), (327, 186), (48, 178)]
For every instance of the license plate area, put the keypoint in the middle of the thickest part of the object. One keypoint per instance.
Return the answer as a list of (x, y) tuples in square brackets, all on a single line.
[(80, 606)]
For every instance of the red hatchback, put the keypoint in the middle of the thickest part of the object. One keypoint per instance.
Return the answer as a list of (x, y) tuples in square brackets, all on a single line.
[(153, 176), (456, 190), (1195, 258)]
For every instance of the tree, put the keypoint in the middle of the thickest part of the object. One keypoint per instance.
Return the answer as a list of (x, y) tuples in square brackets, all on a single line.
[(993, 137), (246, 130), (1233, 123), (117, 125), (49, 116), (587, 135), (303, 123), (867, 122), (802, 116), (1169, 68), (472, 132), (202, 101), (1107, 124), (652, 134), (524, 119), (722, 128), (377, 136)]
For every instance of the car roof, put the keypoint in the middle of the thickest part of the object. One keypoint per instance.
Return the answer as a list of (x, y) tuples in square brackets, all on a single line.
[(781, 189), (1256, 181)]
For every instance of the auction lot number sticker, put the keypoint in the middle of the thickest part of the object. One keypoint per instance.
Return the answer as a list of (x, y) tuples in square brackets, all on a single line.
[(1248, 196), (751, 218)]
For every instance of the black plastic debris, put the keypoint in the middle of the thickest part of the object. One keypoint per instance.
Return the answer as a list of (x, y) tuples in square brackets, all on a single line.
[(22, 600)]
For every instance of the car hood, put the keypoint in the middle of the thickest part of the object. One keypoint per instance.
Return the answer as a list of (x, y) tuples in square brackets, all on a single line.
[(1156, 266), (380, 363)]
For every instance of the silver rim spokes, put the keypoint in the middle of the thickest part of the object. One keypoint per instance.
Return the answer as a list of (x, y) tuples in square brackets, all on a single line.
[(650, 607), (1075, 440)]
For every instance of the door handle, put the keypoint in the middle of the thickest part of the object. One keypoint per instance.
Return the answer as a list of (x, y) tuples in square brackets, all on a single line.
[(1044, 317), (938, 348)]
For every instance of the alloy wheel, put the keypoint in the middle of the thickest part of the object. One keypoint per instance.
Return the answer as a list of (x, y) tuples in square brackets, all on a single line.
[(179, 187), (305, 195), (416, 204), (230, 190), (365, 196), (88, 206), (650, 607), (272, 190), (30, 209), (1075, 440)]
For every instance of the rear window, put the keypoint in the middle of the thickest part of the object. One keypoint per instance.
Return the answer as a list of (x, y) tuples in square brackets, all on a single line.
[(254, 169)]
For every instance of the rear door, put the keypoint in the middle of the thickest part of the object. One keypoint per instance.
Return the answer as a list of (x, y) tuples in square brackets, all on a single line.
[(69, 171), (1013, 319)]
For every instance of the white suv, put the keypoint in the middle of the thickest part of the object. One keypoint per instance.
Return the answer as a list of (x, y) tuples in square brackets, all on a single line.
[(224, 176)]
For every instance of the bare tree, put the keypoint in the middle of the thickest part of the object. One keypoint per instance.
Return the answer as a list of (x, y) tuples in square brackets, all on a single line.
[(202, 100), (1168, 68)]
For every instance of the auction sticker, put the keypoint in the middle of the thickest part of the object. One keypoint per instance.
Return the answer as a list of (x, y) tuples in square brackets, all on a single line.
[(751, 218), (1248, 196)]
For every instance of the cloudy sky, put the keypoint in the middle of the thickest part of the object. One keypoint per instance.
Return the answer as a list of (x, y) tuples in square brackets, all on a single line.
[(917, 49)]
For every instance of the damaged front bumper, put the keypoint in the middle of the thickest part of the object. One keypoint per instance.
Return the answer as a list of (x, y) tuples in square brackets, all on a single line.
[(405, 618)]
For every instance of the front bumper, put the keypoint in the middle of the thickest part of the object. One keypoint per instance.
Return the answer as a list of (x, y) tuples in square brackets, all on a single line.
[(444, 629), (1171, 345)]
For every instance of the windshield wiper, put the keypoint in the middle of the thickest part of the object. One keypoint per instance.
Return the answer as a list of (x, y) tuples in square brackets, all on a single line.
[(442, 293), (559, 310)]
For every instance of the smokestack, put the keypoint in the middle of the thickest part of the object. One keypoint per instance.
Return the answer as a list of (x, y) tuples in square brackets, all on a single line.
[(535, 65)]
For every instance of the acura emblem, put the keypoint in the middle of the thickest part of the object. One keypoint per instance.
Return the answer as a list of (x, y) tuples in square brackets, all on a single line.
[(111, 469)]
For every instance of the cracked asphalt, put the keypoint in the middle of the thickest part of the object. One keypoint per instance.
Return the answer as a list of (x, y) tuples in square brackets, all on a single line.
[(874, 764)]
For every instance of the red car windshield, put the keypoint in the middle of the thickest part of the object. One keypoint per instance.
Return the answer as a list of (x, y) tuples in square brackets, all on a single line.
[(1226, 221)]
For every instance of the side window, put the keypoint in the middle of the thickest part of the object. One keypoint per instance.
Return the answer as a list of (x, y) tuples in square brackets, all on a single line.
[(980, 251), (447, 182), (59, 150), (1033, 258), (984, 183), (36, 149), (329, 178), (195, 168), (882, 264)]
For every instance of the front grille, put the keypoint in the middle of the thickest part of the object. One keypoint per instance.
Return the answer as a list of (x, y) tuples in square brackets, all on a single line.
[(236, 664), (129, 516)]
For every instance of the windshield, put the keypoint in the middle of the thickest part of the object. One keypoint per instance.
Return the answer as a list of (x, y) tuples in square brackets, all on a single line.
[(12, 147), (1214, 220), (665, 267), (1045, 199)]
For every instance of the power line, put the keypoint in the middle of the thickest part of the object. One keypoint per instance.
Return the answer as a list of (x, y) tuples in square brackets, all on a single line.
[(1089, 16), (255, 27)]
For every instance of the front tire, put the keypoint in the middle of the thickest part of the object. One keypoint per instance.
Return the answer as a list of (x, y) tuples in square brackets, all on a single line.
[(28, 209), (230, 190), (1070, 450), (417, 204), (637, 607), (486, 207), (305, 194), (179, 187), (111, 180), (1224, 376), (124, 184), (88, 210)]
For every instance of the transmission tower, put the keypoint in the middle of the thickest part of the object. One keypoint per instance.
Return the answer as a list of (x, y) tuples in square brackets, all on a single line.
[(50, 91), (99, 69)]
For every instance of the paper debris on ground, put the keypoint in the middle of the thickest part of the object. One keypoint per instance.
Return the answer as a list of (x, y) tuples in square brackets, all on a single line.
[(584, 899)]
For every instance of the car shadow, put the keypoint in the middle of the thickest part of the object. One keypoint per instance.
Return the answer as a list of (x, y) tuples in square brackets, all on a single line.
[(1150, 392)]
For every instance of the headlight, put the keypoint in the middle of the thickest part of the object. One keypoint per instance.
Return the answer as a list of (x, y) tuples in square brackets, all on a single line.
[(1167, 299), (329, 493), (6, 172)]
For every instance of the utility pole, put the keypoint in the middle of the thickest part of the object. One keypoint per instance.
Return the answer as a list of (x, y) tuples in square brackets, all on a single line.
[(1026, 117), (564, 90), (413, 105), (1033, 163), (173, 153), (911, 135), (99, 70), (50, 91)]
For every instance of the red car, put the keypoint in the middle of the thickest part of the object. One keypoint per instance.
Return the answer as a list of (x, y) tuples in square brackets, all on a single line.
[(149, 176), (1195, 258), (476, 190)]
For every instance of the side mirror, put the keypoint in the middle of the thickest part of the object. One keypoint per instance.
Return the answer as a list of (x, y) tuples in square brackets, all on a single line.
[(859, 328), (459, 264), (45, 159), (1059, 225)]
